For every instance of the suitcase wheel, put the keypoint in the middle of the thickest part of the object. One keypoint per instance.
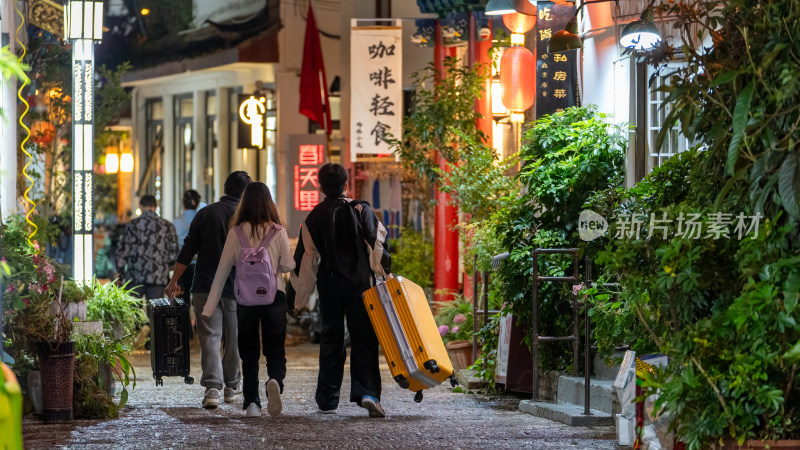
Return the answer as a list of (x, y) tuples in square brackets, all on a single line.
[(453, 381), (401, 380), (159, 381), (431, 366), (418, 397), (188, 380)]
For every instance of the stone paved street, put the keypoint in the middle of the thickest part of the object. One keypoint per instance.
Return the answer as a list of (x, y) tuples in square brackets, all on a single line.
[(171, 417)]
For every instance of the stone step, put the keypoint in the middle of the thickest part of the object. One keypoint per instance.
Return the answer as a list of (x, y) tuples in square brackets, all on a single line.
[(601, 397), (571, 415), (467, 379)]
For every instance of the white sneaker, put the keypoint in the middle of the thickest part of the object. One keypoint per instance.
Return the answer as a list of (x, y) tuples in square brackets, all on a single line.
[(211, 399), (253, 410), (232, 393), (274, 403)]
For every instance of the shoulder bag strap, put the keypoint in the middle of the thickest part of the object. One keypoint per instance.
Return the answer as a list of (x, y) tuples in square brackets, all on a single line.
[(243, 241), (273, 230)]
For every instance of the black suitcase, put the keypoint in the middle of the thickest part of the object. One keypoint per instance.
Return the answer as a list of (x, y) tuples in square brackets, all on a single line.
[(169, 339)]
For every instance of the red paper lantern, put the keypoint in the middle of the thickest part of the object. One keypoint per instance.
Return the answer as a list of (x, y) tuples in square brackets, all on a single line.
[(519, 23), (518, 78)]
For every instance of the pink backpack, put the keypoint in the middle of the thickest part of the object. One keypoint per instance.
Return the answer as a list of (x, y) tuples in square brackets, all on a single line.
[(255, 280)]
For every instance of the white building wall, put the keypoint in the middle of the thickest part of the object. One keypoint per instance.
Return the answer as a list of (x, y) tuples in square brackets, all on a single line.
[(606, 74), (8, 128)]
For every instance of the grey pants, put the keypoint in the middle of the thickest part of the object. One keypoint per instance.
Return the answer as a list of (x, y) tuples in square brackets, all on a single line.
[(220, 330)]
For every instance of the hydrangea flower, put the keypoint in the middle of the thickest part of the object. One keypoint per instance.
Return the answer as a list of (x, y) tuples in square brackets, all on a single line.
[(459, 318), (443, 329), (455, 329)]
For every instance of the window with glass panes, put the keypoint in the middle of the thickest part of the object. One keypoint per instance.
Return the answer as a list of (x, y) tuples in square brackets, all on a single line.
[(184, 146), (674, 142), (150, 182), (212, 147)]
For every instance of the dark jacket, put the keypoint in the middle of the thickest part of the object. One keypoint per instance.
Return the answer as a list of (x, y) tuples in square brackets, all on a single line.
[(314, 262), (147, 250), (206, 239)]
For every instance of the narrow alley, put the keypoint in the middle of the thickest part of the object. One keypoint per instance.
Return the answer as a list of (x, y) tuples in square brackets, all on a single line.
[(171, 417)]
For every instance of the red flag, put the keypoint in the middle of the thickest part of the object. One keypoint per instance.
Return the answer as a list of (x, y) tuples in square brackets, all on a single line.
[(311, 89)]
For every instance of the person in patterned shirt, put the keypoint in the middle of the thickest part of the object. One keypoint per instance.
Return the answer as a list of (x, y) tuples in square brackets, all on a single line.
[(147, 250)]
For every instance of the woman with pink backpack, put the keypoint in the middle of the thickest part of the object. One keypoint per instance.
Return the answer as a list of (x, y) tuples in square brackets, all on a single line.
[(258, 246)]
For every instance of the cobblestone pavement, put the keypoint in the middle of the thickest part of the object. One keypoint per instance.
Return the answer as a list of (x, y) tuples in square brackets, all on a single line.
[(171, 417)]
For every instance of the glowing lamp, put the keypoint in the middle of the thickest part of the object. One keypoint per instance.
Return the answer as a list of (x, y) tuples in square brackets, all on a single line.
[(83, 20), (498, 108), (519, 23), (126, 163), (112, 163), (640, 35), (499, 7), (517, 79)]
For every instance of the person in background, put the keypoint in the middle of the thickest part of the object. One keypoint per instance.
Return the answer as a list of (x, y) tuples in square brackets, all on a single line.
[(147, 250), (191, 204), (342, 266), (206, 240), (256, 226)]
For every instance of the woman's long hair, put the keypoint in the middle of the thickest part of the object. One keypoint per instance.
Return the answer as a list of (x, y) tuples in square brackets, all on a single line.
[(256, 208)]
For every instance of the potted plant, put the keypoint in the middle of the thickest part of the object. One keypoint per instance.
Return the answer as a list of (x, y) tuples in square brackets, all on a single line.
[(454, 318), (117, 306), (37, 327), (100, 359)]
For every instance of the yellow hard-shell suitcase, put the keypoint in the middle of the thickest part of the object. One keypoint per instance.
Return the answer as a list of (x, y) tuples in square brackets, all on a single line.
[(407, 332)]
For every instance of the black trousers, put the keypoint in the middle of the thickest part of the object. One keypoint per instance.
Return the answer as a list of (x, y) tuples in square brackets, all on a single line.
[(365, 376), (272, 319)]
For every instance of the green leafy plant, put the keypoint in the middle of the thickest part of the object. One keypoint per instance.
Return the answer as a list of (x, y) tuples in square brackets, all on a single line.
[(93, 353), (412, 256), (724, 311), (118, 307), (567, 157), (443, 114)]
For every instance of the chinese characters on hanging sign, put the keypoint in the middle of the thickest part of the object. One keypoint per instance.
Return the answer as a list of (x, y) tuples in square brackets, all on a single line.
[(306, 187), (556, 73), (376, 108), (306, 154), (250, 129)]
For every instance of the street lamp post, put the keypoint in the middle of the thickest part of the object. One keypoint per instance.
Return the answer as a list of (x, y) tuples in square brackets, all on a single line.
[(83, 26)]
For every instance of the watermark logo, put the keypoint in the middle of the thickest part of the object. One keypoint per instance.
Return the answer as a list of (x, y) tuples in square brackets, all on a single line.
[(591, 225), (637, 226)]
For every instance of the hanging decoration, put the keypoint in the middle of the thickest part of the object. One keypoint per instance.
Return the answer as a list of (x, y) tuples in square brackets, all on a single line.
[(517, 69), (30, 205)]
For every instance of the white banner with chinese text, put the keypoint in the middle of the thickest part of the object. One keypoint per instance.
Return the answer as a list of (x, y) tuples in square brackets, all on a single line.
[(376, 81)]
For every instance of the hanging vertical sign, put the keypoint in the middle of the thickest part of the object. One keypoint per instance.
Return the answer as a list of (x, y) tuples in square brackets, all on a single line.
[(252, 112), (556, 73), (376, 81), (306, 154)]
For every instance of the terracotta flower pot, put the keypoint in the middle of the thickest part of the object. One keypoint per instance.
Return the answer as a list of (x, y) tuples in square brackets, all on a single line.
[(460, 354)]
